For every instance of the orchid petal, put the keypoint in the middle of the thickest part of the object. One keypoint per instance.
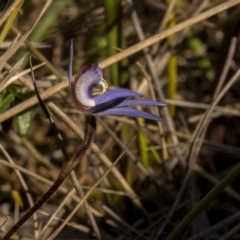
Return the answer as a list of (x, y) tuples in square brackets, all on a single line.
[(131, 112), (141, 103), (85, 79), (110, 99), (104, 106), (113, 94)]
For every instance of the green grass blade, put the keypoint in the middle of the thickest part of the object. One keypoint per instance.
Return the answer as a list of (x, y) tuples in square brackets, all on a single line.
[(45, 23), (9, 23), (182, 226), (112, 10)]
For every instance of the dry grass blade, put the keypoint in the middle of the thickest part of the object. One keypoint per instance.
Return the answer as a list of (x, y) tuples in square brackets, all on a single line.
[(167, 15), (141, 193), (231, 233), (4, 222), (125, 53), (133, 196), (228, 110), (158, 37), (119, 220), (8, 12), (76, 129), (215, 181), (21, 74), (12, 77), (54, 215), (87, 207), (7, 44), (195, 146), (58, 135), (8, 54), (24, 186), (88, 193), (76, 226), (168, 118), (39, 56), (48, 182), (227, 66), (204, 120), (121, 144), (7, 80), (215, 227), (32, 101), (159, 89)]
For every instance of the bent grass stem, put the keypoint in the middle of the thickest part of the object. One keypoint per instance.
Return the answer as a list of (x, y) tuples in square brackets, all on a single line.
[(90, 129)]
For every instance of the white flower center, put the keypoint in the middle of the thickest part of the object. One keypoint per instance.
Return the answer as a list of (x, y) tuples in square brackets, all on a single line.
[(84, 84)]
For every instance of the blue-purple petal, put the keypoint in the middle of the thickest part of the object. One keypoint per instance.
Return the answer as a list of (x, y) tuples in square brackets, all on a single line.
[(113, 94), (131, 112), (110, 99), (127, 102), (104, 106)]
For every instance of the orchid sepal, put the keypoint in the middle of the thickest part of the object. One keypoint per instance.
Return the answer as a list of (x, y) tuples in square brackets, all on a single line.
[(116, 102)]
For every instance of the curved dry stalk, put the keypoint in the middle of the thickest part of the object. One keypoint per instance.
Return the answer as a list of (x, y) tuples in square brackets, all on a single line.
[(8, 54), (89, 192), (61, 189), (121, 221), (158, 37), (227, 66), (207, 232), (54, 215), (12, 79), (234, 194), (133, 196), (125, 53), (89, 123), (165, 110), (8, 12), (25, 188), (121, 144), (90, 129), (78, 131), (195, 145), (32, 101), (150, 64), (11, 75)]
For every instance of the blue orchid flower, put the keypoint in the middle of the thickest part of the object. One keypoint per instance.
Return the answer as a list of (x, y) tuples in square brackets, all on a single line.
[(114, 102)]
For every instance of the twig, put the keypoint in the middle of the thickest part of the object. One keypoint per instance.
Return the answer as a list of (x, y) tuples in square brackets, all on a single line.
[(216, 227), (158, 37), (8, 12), (227, 66), (125, 53), (8, 54), (193, 153), (25, 188), (73, 175), (88, 193)]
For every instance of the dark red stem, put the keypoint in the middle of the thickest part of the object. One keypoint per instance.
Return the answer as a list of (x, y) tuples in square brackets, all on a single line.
[(90, 129)]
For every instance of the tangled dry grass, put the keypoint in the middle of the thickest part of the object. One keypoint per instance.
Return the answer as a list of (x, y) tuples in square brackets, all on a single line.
[(177, 179)]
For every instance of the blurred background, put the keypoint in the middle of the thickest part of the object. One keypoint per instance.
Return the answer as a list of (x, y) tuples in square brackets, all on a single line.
[(187, 70)]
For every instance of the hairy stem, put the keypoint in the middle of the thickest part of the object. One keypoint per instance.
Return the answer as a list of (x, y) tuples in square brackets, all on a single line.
[(90, 129)]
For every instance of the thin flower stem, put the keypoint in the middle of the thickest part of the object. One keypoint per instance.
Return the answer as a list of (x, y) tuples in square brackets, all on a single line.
[(90, 129), (35, 207)]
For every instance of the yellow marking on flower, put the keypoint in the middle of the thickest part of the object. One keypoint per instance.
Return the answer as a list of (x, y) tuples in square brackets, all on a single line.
[(104, 86)]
